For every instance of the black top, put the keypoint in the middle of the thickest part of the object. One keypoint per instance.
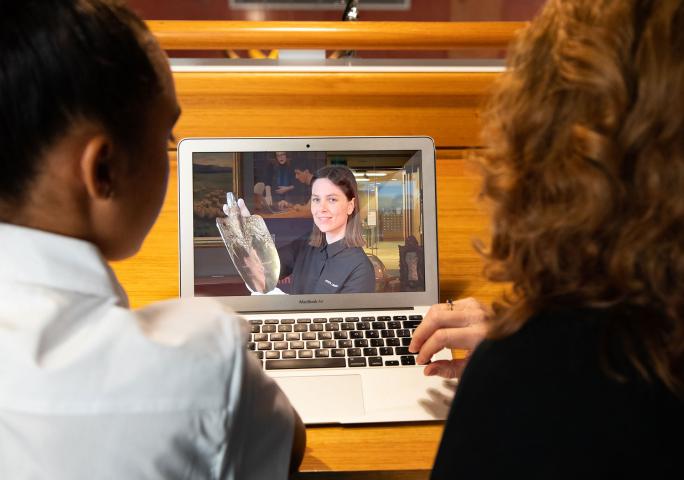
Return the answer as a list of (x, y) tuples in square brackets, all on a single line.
[(330, 268), (537, 405)]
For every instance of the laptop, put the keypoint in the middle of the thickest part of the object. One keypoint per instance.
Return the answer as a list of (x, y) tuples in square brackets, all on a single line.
[(340, 354)]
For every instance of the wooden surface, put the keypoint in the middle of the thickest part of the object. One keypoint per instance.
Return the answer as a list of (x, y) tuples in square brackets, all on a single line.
[(444, 106), (153, 275), (222, 35)]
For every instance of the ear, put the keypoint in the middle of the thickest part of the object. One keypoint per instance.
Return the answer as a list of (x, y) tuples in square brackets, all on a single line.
[(97, 167), (350, 207)]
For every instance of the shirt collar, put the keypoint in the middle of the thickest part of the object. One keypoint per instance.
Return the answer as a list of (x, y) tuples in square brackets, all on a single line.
[(334, 248), (37, 257)]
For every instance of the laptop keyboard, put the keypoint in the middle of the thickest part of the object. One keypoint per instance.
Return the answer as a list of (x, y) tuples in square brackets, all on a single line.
[(336, 342)]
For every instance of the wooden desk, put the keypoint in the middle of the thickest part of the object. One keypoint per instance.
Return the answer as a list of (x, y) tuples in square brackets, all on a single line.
[(153, 275)]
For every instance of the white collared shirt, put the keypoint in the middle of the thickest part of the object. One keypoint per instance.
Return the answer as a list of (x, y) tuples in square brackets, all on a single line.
[(90, 389)]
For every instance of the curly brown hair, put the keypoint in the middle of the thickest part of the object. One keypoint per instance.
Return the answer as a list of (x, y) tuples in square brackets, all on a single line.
[(584, 170)]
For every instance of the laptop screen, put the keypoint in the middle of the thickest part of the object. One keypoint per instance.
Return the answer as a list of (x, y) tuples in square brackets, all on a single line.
[(357, 230)]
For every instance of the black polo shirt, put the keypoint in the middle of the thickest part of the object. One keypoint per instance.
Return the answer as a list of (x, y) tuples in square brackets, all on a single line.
[(330, 268)]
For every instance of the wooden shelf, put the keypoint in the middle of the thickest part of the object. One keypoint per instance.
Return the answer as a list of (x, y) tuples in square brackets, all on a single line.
[(222, 35)]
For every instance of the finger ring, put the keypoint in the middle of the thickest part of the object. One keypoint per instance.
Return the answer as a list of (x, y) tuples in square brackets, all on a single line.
[(450, 304)]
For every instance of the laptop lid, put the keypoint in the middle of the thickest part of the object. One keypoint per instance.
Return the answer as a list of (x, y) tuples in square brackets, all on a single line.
[(395, 178)]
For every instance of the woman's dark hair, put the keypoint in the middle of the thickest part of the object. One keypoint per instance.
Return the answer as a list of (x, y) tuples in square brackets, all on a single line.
[(585, 173), (64, 60), (343, 178)]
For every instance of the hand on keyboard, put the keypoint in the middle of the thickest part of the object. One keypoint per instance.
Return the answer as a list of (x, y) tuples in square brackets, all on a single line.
[(457, 325)]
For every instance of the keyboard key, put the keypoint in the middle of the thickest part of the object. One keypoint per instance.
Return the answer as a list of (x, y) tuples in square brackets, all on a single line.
[(377, 342), (353, 352), (400, 317), (332, 327), (362, 342), (256, 322), (329, 344), (289, 354), (306, 363), (403, 333), (356, 334), (324, 335), (305, 353), (363, 326), (344, 343), (338, 352), (255, 329), (251, 346), (391, 363), (392, 342), (384, 318), (386, 351), (408, 360), (387, 333), (323, 352), (297, 345), (351, 319), (277, 337), (379, 325), (347, 326), (301, 328), (280, 346), (367, 319), (356, 362), (372, 334), (402, 351), (264, 345), (405, 342), (261, 337), (290, 337), (340, 335), (411, 324), (271, 354), (415, 317), (336, 319), (320, 320), (394, 325), (272, 321), (303, 320), (287, 321), (375, 362), (268, 328), (284, 328), (316, 327), (314, 344), (370, 352), (309, 336)]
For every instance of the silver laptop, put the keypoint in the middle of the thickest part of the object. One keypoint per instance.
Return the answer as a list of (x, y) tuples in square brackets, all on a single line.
[(340, 357)]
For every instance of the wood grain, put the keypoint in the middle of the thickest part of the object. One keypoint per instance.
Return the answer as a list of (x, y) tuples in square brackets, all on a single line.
[(444, 106), (222, 35)]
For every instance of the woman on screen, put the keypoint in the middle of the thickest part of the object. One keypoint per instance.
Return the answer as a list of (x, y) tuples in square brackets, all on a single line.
[(329, 260)]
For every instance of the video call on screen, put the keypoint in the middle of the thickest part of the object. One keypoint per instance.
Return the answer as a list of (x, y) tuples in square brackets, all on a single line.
[(389, 200)]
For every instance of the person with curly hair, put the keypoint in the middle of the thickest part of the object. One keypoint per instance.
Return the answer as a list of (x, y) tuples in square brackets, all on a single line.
[(582, 369)]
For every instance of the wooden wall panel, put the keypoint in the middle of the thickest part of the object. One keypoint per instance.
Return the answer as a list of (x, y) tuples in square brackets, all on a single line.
[(444, 106)]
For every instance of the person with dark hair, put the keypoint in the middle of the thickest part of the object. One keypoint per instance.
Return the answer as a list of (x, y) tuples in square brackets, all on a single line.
[(90, 388), (328, 260), (582, 371), (332, 259)]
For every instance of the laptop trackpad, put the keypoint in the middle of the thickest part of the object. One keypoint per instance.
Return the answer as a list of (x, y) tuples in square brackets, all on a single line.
[(316, 397)]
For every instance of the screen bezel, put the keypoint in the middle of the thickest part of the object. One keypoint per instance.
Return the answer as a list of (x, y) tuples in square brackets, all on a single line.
[(270, 303)]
